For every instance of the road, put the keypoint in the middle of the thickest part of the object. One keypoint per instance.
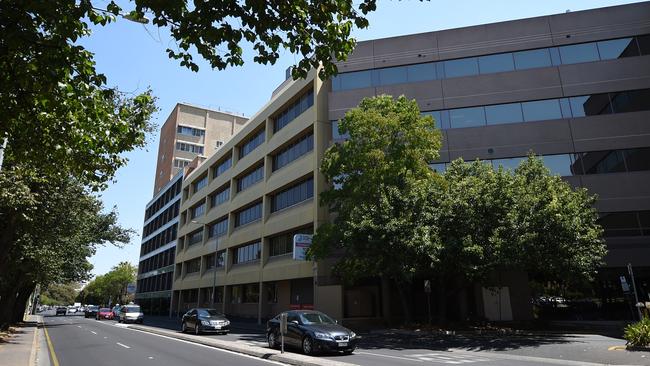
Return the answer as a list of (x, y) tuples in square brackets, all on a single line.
[(80, 341)]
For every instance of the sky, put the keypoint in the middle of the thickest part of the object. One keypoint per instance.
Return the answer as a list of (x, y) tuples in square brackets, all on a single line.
[(133, 58)]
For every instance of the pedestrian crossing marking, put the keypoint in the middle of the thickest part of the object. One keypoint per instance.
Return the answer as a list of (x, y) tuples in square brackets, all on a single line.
[(447, 358)]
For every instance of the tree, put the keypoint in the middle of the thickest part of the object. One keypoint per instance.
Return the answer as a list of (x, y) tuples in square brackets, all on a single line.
[(380, 181), (110, 286), (59, 294)]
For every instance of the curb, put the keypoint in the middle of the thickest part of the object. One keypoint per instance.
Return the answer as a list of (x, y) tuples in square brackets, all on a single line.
[(258, 352)]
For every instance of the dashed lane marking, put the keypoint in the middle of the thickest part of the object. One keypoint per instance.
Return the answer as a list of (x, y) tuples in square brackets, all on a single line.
[(123, 345)]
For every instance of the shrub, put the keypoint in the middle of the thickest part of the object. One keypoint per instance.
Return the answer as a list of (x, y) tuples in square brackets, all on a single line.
[(638, 334)]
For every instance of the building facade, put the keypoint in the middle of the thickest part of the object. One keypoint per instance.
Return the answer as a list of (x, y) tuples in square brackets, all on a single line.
[(573, 88), (190, 131)]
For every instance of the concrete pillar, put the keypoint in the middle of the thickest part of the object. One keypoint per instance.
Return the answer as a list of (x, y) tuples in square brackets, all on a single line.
[(259, 303), (226, 299)]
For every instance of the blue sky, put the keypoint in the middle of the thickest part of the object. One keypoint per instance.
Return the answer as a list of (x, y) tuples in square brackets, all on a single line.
[(133, 58)]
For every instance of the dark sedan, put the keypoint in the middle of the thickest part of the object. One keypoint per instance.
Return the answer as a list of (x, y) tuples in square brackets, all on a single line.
[(61, 310), (205, 320), (91, 311), (312, 331)]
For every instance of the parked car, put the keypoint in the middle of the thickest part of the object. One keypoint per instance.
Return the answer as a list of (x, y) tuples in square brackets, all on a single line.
[(205, 320), (61, 310), (312, 331), (91, 311), (116, 311), (104, 313), (72, 310), (131, 313)]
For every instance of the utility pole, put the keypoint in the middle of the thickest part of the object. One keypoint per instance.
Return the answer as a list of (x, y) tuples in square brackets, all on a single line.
[(3, 147), (636, 296)]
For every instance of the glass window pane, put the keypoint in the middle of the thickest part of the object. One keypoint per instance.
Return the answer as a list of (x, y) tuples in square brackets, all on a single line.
[(644, 44), (565, 107), (555, 56), (354, 80), (438, 167), (496, 63), (461, 67), (508, 163), (504, 113), (336, 83), (590, 105), (558, 164), (541, 110), (637, 159), (436, 117), (577, 53), (631, 101), (467, 117), (617, 48), (392, 75), (644, 219), (620, 224), (602, 162), (421, 72), (532, 59)]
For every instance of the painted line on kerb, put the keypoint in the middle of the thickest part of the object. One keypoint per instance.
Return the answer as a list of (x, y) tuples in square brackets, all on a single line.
[(123, 345), (55, 361)]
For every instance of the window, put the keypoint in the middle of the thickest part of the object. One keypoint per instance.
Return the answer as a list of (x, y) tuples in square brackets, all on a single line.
[(590, 105), (614, 161), (558, 164), (220, 260), (541, 110), (644, 44), (251, 293), (461, 67), (336, 134), (577, 53), (634, 223), (271, 292), (421, 72), (219, 228), (196, 149), (294, 110), (467, 117), (532, 59), (617, 48), (355, 80), (248, 215), (508, 163), (195, 237), (496, 63), (438, 167), (391, 75), (199, 184), (503, 113), (220, 197), (180, 163), (293, 195), (222, 167), (193, 266), (250, 178), (292, 152), (283, 244), (253, 142), (190, 131), (247, 253), (630, 101), (198, 210)]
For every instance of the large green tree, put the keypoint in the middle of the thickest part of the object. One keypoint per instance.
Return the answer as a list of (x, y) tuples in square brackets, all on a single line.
[(60, 294), (381, 178), (110, 287)]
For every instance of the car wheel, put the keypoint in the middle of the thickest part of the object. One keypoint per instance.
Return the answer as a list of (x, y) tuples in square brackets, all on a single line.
[(307, 346), (273, 341), (183, 327), (196, 329), (348, 352)]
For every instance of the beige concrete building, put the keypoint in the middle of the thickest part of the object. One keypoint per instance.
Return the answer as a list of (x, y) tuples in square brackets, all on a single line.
[(191, 131)]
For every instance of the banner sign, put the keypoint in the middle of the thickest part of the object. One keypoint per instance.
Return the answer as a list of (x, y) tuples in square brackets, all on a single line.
[(301, 242)]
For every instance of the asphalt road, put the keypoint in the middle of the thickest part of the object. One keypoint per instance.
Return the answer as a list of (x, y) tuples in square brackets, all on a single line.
[(80, 341)]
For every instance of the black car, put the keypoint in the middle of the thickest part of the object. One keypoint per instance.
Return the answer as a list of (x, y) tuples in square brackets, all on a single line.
[(61, 310), (313, 332), (91, 311), (200, 320)]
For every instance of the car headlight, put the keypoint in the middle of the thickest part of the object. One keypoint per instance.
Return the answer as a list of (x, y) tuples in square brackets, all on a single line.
[(205, 322), (353, 334), (320, 335), (226, 322)]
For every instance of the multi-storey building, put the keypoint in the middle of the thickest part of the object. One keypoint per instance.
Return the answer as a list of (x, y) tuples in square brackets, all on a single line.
[(190, 131), (189, 134), (574, 88)]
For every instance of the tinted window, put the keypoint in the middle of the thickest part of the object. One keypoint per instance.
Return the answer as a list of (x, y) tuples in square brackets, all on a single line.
[(601, 162), (644, 44), (496, 63), (354, 80), (222, 167), (541, 110), (508, 163), (293, 195), (436, 118), (620, 224), (220, 228), (250, 178), (438, 167), (336, 135), (392, 75), (421, 72), (293, 151), (461, 67), (631, 101), (531, 59), (504, 113), (467, 117), (248, 215), (250, 144), (577, 53), (590, 105), (558, 164), (316, 318), (637, 159), (617, 48)]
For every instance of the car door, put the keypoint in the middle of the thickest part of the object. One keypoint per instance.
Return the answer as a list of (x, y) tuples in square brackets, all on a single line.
[(190, 322), (294, 331)]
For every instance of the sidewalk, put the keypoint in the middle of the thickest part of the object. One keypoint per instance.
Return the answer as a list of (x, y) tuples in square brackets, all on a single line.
[(289, 358), (22, 345)]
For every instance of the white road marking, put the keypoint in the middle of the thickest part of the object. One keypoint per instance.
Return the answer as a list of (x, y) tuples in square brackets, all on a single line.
[(388, 356), (105, 337), (78, 326), (448, 358), (123, 345), (150, 357), (93, 332)]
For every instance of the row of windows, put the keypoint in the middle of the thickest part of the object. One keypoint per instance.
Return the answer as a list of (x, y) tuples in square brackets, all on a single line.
[(162, 238), (249, 214), (292, 152), (180, 163), (252, 143), (220, 228), (220, 197), (157, 261), (593, 162), (293, 195), (195, 238), (501, 62), (250, 178), (190, 131), (548, 109), (163, 218), (193, 266), (197, 211), (294, 110), (247, 253), (218, 261), (200, 184), (223, 166), (248, 293), (161, 282), (169, 194), (633, 223), (283, 244), (196, 149)]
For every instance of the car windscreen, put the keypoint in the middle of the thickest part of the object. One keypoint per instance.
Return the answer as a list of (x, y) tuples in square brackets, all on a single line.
[(316, 318), (209, 313), (132, 309), (93, 308), (104, 310)]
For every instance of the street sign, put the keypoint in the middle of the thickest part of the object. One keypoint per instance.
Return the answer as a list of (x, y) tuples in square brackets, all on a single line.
[(624, 285), (130, 288), (301, 242), (427, 286)]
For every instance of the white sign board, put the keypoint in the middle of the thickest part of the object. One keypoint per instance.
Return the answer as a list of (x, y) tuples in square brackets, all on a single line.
[(301, 242), (130, 288)]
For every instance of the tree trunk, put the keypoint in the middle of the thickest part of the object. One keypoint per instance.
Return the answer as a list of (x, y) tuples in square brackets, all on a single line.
[(442, 301), (406, 310), (18, 310)]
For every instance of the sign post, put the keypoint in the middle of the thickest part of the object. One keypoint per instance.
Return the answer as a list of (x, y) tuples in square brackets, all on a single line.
[(301, 243), (636, 296), (427, 290), (283, 329)]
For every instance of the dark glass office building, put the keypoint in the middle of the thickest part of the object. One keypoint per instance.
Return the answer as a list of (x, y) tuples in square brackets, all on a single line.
[(573, 88)]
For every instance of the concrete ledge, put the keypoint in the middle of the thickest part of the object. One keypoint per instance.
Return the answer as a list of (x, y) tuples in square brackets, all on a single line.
[(259, 352)]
